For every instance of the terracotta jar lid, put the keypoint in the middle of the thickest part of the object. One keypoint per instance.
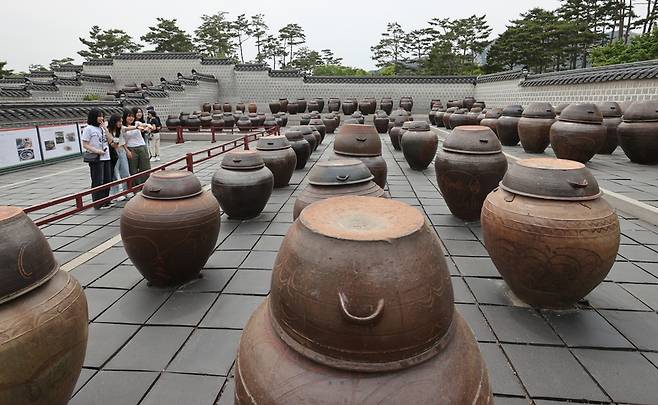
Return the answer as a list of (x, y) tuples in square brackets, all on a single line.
[(551, 179), (303, 129), (642, 111), (26, 260), (242, 160), (274, 142), (539, 110), (461, 111), (316, 121), (339, 173), (609, 109), (294, 135), (560, 107), (452, 110), (513, 110), (406, 125), (358, 140), (472, 140), (171, 185), (418, 126), (585, 113), (494, 113)]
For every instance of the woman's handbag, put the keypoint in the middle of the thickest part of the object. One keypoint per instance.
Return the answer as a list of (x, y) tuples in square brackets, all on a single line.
[(89, 157)]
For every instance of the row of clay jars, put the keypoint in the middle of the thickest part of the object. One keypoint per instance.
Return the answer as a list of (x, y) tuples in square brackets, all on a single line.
[(419, 145), (334, 178), (362, 142), (43, 317), (170, 249), (468, 166), (242, 185), (578, 133), (279, 157), (638, 133), (352, 320), (548, 216)]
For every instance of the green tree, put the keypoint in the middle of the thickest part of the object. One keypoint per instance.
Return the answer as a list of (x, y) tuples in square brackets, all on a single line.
[(37, 68), (471, 37), (273, 48), (328, 57), (306, 60), (213, 36), (5, 72), (291, 35), (107, 43), (643, 47), (56, 63), (337, 70), (390, 48), (258, 30), (442, 60), (241, 31), (167, 36), (418, 43)]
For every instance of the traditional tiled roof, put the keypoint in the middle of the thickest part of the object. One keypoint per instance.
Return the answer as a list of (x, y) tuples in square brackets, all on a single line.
[(99, 62), (39, 112), (172, 86), (390, 79), (188, 82), (626, 71), (155, 93), (497, 77), (63, 81), (13, 80), (134, 101), (15, 93), (251, 67), (41, 73), (87, 77), (204, 77), (69, 67), (217, 61), (286, 73), (157, 55), (36, 86)]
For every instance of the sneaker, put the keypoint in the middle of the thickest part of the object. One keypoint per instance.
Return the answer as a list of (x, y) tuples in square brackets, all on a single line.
[(157, 158), (120, 198), (130, 195), (152, 159)]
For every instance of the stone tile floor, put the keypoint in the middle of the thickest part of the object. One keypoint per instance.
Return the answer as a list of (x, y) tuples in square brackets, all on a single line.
[(177, 346)]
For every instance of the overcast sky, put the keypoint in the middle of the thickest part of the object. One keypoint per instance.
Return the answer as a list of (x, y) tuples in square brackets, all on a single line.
[(38, 31)]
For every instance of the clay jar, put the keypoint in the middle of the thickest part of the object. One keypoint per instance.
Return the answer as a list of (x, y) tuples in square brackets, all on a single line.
[(508, 125), (579, 133), (170, 249), (292, 108), (304, 119), (226, 107), (300, 145), (282, 119), (419, 145), (313, 106), (252, 108), (611, 113), (243, 123), (229, 121), (333, 105), (396, 131), (243, 184), (406, 103), (386, 104), (378, 317), (446, 116), (362, 142), (550, 235), (173, 122), (279, 157), (459, 118), (535, 127), (206, 107), (334, 178), (330, 123), (240, 107), (301, 105), (468, 166), (491, 119), (284, 104), (438, 117), (320, 102), (311, 138), (638, 134), (319, 126), (364, 106), (275, 107), (381, 121), (193, 123), (358, 116), (217, 122), (349, 106), (43, 317), (469, 102)]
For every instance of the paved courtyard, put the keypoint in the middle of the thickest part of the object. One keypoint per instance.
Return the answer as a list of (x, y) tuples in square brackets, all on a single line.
[(177, 346)]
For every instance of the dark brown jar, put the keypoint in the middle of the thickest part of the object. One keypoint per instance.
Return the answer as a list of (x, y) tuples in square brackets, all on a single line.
[(284, 104), (446, 116), (304, 119), (311, 138), (168, 249), (579, 133), (364, 107), (254, 120), (508, 125), (560, 107), (349, 106), (320, 102), (396, 131), (550, 235), (459, 118), (406, 103), (455, 104), (318, 125), (282, 119), (279, 157), (226, 107), (362, 142), (270, 122), (638, 134), (438, 117), (435, 103), (217, 121), (244, 124), (243, 184), (206, 107), (293, 108), (300, 145), (431, 116), (535, 127), (275, 107), (368, 327), (301, 105), (358, 116), (333, 105), (229, 121), (611, 113), (330, 123), (216, 107), (468, 102), (419, 145), (206, 120), (386, 104), (173, 122), (183, 119), (468, 166), (381, 121), (252, 108), (193, 123), (479, 104), (313, 106), (240, 107), (334, 178)]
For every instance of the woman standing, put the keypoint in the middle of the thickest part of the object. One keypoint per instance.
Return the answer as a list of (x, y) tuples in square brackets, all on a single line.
[(154, 140), (121, 169), (145, 129), (95, 141), (138, 156)]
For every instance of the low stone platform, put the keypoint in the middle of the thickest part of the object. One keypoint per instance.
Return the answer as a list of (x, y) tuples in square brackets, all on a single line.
[(177, 346)]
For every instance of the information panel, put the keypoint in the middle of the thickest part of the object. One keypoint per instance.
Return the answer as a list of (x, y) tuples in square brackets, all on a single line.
[(59, 140), (19, 147)]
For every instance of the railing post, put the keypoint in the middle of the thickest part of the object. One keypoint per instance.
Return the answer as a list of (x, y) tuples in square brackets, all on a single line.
[(212, 133), (246, 142), (189, 162)]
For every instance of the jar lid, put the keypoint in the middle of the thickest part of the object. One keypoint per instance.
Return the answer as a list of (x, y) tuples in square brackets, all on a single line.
[(339, 172), (560, 107), (357, 114), (585, 113), (242, 160), (303, 129), (417, 126), (294, 135), (316, 122), (551, 179), (358, 140), (472, 140), (273, 142), (513, 110), (609, 109), (494, 113), (171, 185), (26, 260), (539, 110), (451, 110), (642, 111)]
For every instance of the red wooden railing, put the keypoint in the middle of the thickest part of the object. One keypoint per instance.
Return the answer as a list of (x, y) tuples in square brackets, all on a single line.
[(188, 160)]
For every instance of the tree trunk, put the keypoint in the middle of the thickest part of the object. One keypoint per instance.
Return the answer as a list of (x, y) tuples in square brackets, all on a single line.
[(628, 24), (653, 15), (622, 18)]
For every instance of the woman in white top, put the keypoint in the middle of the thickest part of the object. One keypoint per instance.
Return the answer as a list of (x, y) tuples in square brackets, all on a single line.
[(138, 155), (121, 169), (96, 140)]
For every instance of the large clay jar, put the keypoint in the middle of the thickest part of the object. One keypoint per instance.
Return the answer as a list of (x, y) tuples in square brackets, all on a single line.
[(362, 142), (431, 116), (313, 106), (330, 122), (508, 125), (304, 119), (307, 133), (550, 235), (173, 122), (282, 119), (395, 133), (43, 317), (435, 103), (240, 107), (468, 166), (455, 104), (469, 102), (491, 119), (579, 133), (275, 107), (217, 122), (206, 107), (364, 107), (535, 127), (611, 113), (300, 145), (206, 120), (292, 107), (170, 249), (229, 121), (318, 125), (446, 116), (419, 145), (384, 328), (386, 104), (406, 103), (301, 105), (226, 107), (560, 107), (459, 118), (284, 104), (193, 123), (243, 184), (381, 121), (252, 108), (244, 124), (334, 178), (358, 116), (438, 117), (320, 102), (638, 134), (270, 122), (216, 107), (334, 104), (279, 157)]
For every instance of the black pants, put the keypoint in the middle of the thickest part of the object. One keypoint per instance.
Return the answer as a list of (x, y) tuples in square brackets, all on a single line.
[(101, 173)]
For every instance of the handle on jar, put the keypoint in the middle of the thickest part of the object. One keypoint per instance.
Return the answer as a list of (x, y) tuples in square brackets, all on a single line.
[(358, 319)]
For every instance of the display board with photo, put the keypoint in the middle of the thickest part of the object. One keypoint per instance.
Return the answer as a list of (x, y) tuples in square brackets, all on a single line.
[(18, 147), (59, 140)]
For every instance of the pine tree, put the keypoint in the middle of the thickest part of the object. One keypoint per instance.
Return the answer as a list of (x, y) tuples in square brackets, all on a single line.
[(213, 36), (168, 37), (390, 48), (107, 43), (258, 30), (292, 35)]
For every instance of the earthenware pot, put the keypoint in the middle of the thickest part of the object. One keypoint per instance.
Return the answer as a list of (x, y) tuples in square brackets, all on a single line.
[(333, 105), (611, 113), (300, 145), (578, 133), (638, 134), (386, 104), (419, 145), (275, 107), (301, 105), (508, 125), (279, 157), (226, 107), (535, 126)]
